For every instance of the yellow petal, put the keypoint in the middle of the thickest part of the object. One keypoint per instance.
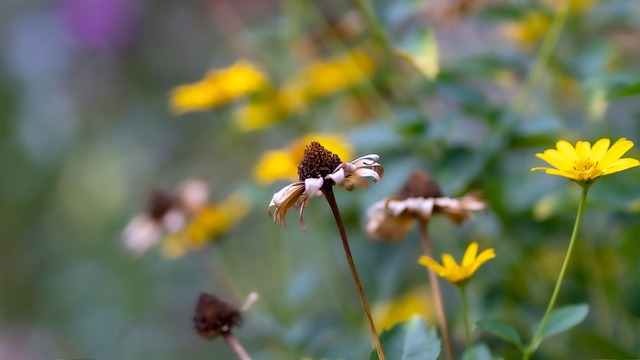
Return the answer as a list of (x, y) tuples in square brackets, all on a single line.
[(615, 152), (567, 150), (556, 158), (481, 259), (470, 254), (432, 264), (599, 149), (620, 165), (583, 150)]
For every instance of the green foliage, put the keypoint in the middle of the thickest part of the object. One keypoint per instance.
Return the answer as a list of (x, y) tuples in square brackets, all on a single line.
[(504, 331), (563, 319), (410, 340)]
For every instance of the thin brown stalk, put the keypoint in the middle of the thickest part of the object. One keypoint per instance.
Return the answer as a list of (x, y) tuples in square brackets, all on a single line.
[(331, 199), (435, 291), (236, 347)]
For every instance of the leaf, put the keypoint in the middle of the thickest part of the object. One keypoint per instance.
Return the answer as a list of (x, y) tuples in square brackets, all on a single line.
[(563, 319), (424, 55), (629, 90), (504, 331), (410, 340), (480, 352)]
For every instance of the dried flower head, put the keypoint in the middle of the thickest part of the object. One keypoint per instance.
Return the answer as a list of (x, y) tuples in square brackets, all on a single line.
[(214, 317), (321, 169), (185, 219), (392, 218), (282, 164)]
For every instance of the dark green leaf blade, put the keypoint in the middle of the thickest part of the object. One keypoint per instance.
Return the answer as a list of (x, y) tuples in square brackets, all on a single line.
[(563, 319), (504, 331), (410, 340), (629, 90)]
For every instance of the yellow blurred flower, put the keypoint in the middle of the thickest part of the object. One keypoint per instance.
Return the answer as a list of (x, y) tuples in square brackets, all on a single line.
[(211, 222), (256, 115), (583, 163), (218, 87), (417, 302), (327, 77), (530, 30), (283, 164), (458, 274)]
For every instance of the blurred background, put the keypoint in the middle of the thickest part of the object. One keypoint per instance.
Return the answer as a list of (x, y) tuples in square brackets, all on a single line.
[(92, 120)]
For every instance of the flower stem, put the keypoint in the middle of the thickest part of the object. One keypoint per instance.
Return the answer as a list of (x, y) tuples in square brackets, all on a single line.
[(331, 199), (366, 9), (542, 58), (535, 342), (465, 316), (435, 291), (236, 347)]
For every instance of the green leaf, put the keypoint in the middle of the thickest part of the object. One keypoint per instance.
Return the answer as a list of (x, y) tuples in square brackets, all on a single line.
[(480, 352), (504, 331), (410, 340), (563, 319), (629, 90)]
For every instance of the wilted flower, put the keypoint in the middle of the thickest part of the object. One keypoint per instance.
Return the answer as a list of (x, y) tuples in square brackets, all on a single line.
[(584, 164), (318, 170), (421, 198), (208, 223), (283, 164), (165, 213), (214, 317), (219, 87), (458, 274), (186, 219)]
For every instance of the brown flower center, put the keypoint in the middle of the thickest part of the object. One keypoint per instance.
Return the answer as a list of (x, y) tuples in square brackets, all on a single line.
[(420, 184), (317, 162), (158, 204), (215, 317)]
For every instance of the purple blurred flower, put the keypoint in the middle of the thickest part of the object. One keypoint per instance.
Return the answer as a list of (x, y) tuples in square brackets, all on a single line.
[(103, 25)]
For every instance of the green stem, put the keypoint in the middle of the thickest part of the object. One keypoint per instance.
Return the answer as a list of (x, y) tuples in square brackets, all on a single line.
[(436, 293), (542, 59), (365, 7), (331, 199), (535, 342), (465, 316)]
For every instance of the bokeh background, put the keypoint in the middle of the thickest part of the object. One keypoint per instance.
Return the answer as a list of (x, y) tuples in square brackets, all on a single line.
[(86, 131)]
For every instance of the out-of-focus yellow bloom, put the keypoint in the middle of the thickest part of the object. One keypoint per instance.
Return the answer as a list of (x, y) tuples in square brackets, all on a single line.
[(417, 302), (256, 115), (211, 222), (577, 7), (218, 88), (528, 31), (283, 164), (583, 163), (326, 77), (458, 274)]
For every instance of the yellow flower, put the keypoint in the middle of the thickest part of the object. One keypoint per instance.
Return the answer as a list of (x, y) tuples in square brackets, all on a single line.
[(583, 163), (326, 77), (209, 223), (219, 87), (455, 273), (399, 310), (530, 30), (256, 115), (283, 164), (318, 171)]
